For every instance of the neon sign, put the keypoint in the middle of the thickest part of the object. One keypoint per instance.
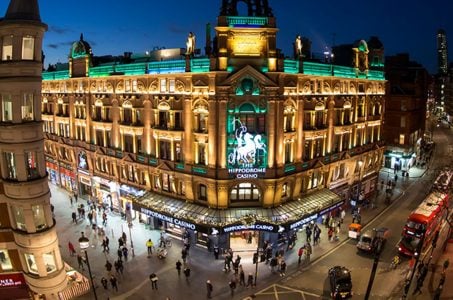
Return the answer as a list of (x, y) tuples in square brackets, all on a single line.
[(246, 154)]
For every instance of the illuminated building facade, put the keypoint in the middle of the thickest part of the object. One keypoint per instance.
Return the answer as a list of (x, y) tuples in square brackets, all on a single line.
[(215, 141), (442, 52), (30, 260)]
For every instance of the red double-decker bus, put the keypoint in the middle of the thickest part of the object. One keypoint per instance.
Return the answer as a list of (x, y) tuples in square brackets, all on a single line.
[(427, 218)]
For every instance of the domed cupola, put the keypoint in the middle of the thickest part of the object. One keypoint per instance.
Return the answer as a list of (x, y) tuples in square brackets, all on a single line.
[(80, 58)]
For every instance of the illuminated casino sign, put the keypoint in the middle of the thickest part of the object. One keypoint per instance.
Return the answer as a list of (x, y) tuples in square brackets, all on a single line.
[(247, 153)]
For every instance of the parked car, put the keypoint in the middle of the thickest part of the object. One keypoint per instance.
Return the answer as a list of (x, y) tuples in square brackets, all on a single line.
[(340, 282), (372, 241)]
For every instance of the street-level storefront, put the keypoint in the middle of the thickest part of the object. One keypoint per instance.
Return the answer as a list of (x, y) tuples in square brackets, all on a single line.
[(243, 229), (399, 160), (13, 286), (52, 170), (106, 192), (67, 177), (128, 194), (85, 190)]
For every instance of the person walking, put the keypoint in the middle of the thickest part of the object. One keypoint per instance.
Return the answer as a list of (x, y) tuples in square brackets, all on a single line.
[(178, 267), (104, 283), (74, 217), (149, 245), (241, 276), (250, 280), (232, 285), (80, 261), (70, 199), (187, 273), (300, 253), (209, 289), (153, 278), (114, 282), (184, 255), (120, 253), (72, 251), (108, 267), (125, 252), (283, 268)]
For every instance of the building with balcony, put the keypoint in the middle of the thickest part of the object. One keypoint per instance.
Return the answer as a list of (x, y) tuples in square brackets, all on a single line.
[(239, 139)]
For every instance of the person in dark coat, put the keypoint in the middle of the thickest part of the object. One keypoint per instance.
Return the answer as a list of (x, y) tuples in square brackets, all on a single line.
[(114, 283), (209, 288), (153, 278), (178, 267), (187, 272), (105, 282)]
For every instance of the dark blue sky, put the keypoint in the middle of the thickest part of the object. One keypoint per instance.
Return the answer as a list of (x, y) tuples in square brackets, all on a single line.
[(113, 26)]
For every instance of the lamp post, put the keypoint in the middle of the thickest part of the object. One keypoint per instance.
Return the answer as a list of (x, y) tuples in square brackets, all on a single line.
[(130, 237), (84, 243), (257, 261)]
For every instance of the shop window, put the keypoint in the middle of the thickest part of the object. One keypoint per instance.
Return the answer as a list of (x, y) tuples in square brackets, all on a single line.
[(39, 217), (202, 194), (5, 261), (49, 261), (7, 108), (28, 47), (31, 164), (245, 192), (19, 218), (10, 159), (31, 263), (7, 48), (163, 85)]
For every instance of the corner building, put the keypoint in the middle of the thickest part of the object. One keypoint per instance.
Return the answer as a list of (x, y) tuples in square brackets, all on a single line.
[(30, 261), (240, 139)]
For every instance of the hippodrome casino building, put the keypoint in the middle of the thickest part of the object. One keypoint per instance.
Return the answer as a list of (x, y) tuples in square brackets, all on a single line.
[(239, 141)]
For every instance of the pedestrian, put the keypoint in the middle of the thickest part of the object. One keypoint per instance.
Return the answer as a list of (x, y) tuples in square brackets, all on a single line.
[(209, 288), (104, 283), (107, 242), (72, 251), (149, 245), (308, 251), (187, 273), (330, 233), (308, 233), (300, 253), (125, 252), (120, 242), (74, 217), (178, 267), (90, 218), (232, 285), (153, 278), (226, 264), (241, 276), (184, 255), (70, 199), (250, 280), (283, 268), (114, 282), (108, 267), (273, 263), (342, 215), (80, 261), (76, 196), (120, 253), (216, 252)]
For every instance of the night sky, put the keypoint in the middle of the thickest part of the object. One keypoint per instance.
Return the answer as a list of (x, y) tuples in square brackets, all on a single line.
[(113, 26)]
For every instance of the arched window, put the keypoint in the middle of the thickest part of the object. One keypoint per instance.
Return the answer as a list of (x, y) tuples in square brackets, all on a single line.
[(201, 115), (289, 119), (127, 113), (245, 192)]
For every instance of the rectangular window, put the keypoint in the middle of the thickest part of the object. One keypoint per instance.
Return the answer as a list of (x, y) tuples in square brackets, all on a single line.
[(178, 152), (128, 143), (7, 108), (10, 158), (288, 150), (27, 107), (165, 182), (163, 85), (7, 49), (31, 164), (31, 263), (171, 83), (5, 261), (401, 139), (203, 194), (39, 217), (49, 261), (19, 217), (403, 122), (28, 47)]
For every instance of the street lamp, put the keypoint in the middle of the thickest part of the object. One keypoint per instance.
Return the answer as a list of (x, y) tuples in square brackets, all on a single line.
[(84, 243), (130, 237)]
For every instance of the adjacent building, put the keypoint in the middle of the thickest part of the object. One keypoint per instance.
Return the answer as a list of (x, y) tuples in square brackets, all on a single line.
[(240, 142), (30, 260), (405, 110)]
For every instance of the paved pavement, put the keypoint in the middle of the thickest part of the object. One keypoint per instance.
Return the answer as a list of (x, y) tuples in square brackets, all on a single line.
[(134, 283)]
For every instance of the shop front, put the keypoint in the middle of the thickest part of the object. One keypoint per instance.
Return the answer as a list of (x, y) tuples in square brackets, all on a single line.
[(13, 286), (127, 196), (106, 193), (52, 170), (85, 190), (67, 177), (241, 229)]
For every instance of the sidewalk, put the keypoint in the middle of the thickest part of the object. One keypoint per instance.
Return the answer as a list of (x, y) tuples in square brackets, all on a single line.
[(134, 284)]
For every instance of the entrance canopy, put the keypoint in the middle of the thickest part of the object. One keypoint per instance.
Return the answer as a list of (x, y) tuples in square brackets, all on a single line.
[(287, 216)]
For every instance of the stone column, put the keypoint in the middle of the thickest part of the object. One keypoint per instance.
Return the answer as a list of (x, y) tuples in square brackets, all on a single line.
[(271, 130), (212, 134), (147, 131), (279, 135), (300, 130), (188, 136), (115, 113), (331, 123), (222, 134)]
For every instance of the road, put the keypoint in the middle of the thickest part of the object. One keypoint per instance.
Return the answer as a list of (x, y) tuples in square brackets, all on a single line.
[(313, 280)]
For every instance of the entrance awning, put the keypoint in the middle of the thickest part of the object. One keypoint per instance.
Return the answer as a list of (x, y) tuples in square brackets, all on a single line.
[(291, 215)]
